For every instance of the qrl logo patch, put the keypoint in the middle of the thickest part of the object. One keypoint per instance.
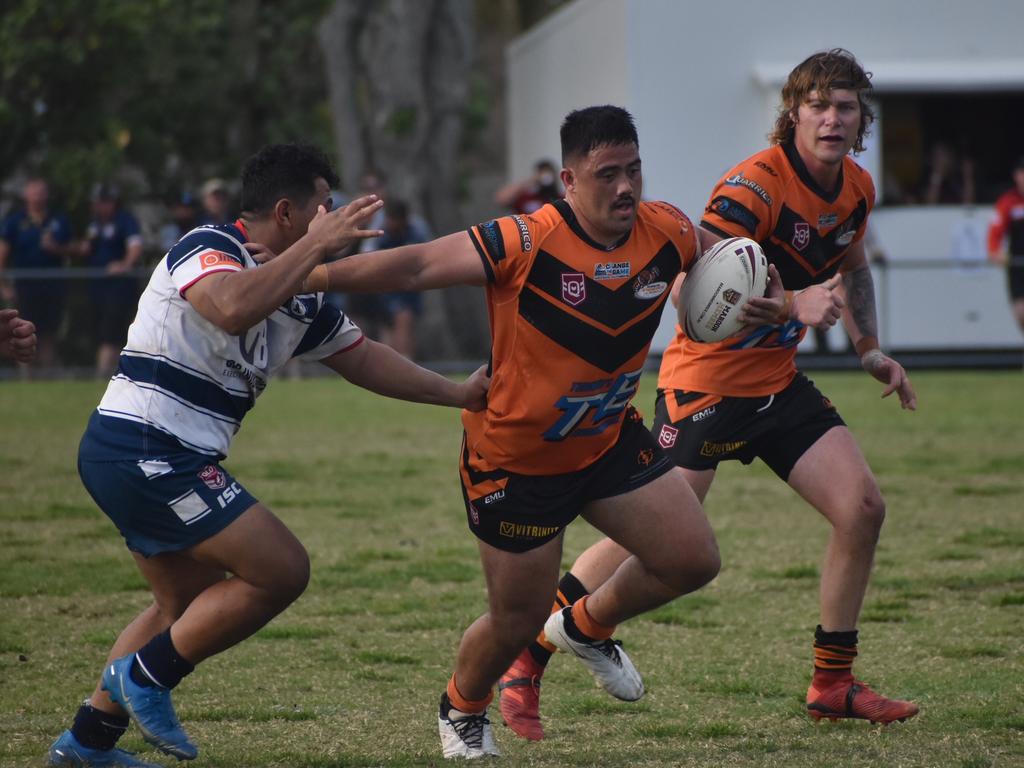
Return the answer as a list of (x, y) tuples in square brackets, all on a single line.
[(801, 235), (212, 477), (667, 436), (574, 288)]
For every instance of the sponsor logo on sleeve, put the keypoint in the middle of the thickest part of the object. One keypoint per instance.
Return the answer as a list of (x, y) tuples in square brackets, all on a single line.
[(730, 210), (574, 288), (739, 180), (493, 242), (525, 241), (214, 259), (765, 167)]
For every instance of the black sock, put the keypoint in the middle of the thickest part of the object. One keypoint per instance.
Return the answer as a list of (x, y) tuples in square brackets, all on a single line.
[(570, 589), (158, 663), (96, 729)]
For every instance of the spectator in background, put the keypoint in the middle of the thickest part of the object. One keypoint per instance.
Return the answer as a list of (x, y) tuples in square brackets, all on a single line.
[(184, 213), (401, 308), (369, 310), (215, 203), (113, 243), (948, 178), (37, 237), (530, 194), (1008, 225)]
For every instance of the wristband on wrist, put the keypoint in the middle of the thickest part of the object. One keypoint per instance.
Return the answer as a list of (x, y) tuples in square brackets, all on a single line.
[(787, 306), (316, 280), (865, 345)]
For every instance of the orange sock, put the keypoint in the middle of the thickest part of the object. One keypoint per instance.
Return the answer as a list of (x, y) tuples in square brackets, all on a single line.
[(463, 704), (834, 654), (585, 622)]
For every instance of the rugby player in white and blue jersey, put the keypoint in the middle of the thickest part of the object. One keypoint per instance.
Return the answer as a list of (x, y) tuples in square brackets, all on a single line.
[(211, 330)]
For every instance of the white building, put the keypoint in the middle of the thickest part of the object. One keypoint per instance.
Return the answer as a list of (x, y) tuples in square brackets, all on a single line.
[(702, 80)]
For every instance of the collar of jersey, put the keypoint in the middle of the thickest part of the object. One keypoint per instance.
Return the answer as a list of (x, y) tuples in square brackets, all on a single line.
[(570, 218), (805, 176)]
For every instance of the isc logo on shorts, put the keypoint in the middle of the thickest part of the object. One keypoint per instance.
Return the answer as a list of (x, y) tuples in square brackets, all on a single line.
[(667, 436)]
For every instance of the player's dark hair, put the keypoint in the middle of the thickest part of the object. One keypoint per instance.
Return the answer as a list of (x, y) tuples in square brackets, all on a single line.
[(585, 129), (823, 72), (283, 171)]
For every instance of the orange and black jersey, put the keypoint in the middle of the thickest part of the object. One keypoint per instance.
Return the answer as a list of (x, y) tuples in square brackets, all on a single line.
[(571, 324), (805, 232)]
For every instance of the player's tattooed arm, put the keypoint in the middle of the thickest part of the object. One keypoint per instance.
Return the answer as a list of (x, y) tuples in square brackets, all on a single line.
[(859, 288)]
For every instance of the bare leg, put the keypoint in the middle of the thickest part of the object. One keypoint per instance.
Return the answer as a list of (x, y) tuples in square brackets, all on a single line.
[(834, 478), (519, 590), (673, 546)]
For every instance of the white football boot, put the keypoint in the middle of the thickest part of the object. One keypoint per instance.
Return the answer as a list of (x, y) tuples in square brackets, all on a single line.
[(464, 734), (605, 659)]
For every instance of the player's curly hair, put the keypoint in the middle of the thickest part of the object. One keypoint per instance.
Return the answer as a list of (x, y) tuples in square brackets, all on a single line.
[(823, 72), (283, 170)]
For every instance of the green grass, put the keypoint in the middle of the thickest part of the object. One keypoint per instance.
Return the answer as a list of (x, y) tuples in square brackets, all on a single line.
[(350, 675)]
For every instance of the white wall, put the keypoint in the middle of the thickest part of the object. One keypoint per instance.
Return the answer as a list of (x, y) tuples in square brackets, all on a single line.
[(702, 80)]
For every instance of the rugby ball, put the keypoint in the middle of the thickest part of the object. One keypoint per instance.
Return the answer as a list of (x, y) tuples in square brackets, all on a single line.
[(715, 289)]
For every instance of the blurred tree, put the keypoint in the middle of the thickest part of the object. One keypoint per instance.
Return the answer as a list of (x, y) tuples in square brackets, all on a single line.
[(179, 89)]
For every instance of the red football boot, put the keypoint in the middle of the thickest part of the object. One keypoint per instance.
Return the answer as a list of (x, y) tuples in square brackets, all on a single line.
[(519, 697), (850, 698)]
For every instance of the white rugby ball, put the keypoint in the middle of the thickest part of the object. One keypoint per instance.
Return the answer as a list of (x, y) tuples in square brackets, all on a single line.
[(715, 289)]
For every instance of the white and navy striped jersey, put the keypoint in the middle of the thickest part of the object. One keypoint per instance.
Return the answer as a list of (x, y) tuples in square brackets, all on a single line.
[(184, 382)]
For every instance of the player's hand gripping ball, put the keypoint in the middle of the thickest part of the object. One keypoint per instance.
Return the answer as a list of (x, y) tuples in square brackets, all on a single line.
[(713, 294)]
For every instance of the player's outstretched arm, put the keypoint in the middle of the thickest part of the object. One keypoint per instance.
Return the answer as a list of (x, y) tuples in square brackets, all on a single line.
[(236, 301), (378, 368), (449, 260)]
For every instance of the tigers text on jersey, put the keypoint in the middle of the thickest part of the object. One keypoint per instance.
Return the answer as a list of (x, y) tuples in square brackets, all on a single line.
[(571, 323), (805, 232), (182, 377)]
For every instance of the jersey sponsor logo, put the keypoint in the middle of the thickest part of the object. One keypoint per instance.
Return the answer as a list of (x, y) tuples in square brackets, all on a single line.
[(212, 259), (846, 236), (574, 288), (765, 167), (769, 336), (496, 496), (827, 220), (647, 286), (604, 408), (701, 415), (525, 241), (710, 449), (473, 514), (671, 210), (667, 436), (212, 477), (613, 270), (730, 210), (493, 241), (523, 531), (801, 235), (739, 180), (645, 457)]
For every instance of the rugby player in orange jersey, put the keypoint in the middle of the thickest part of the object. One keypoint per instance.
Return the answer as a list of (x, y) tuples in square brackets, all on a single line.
[(575, 292), (807, 203)]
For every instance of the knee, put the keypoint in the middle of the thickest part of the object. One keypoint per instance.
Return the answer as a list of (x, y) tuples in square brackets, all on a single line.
[(863, 519), (289, 577), (519, 625), (692, 568)]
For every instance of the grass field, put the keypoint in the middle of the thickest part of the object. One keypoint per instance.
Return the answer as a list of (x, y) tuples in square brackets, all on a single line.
[(350, 675)]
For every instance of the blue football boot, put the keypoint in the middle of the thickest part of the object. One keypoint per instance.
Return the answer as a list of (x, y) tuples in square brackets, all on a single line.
[(67, 751), (149, 707)]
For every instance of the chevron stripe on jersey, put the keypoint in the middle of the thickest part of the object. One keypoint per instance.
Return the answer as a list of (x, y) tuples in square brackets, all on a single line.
[(182, 377), (571, 323), (805, 232)]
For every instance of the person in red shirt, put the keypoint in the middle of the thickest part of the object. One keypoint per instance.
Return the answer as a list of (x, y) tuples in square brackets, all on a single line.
[(1008, 225)]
